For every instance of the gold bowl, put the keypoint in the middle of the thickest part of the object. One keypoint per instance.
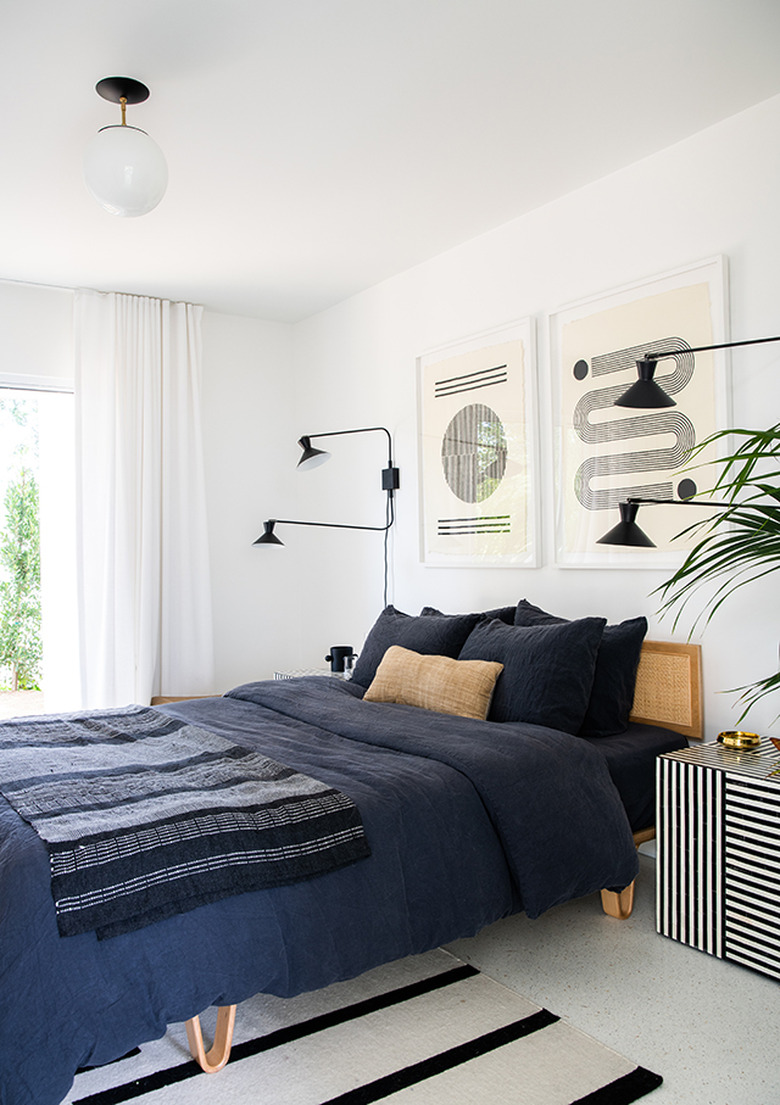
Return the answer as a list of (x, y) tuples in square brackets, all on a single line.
[(734, 738)]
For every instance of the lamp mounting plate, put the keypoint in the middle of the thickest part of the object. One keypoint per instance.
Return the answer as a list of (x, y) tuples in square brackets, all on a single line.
[(115, 88)]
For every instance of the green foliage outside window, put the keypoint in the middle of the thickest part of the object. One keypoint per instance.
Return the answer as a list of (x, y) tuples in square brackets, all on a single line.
[(20, 566)]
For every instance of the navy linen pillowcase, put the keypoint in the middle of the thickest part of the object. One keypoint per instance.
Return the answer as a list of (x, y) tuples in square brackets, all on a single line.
[(503, 613), (614, 682), (548, 670), (432, 635)]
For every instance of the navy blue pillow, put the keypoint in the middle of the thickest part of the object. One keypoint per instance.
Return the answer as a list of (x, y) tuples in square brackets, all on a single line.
[(612, 695), (432, 635), (548, 669), (503, 613)]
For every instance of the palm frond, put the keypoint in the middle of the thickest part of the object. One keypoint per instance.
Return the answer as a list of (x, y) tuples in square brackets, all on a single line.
[(737, 546), (751, 693)]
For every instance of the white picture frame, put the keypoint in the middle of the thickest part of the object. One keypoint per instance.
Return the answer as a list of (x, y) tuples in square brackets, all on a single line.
[(604, 454), (478, 430)]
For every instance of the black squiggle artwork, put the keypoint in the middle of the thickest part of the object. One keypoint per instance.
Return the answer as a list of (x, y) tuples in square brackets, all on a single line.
[(669, 422)]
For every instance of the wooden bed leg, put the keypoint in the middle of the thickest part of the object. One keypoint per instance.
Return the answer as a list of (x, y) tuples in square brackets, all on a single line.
[(619, 904), (213, 1060)]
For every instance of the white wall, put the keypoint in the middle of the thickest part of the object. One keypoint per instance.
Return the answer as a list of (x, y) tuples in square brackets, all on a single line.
[(355, 364), (36, 331), (249, 460)]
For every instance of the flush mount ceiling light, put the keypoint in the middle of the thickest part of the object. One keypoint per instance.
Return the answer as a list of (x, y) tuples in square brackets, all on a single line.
[(124, 169)]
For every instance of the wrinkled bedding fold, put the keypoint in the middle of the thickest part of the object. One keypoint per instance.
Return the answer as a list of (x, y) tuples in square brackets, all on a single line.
[(549, 795), (466, 821)]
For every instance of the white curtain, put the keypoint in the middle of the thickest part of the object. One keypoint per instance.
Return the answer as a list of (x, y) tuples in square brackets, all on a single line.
[(144, 596)]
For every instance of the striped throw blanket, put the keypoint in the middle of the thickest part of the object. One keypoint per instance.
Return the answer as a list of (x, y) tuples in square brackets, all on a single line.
[(145, 816)]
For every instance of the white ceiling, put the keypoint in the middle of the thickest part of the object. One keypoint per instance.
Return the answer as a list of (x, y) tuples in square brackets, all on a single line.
[(316, 147)]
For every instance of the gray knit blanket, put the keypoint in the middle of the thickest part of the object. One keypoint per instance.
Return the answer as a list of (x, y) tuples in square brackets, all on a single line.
[(145, 816)]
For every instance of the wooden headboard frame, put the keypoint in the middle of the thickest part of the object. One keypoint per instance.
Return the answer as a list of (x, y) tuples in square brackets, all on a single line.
[(668, 688), (668, 693)]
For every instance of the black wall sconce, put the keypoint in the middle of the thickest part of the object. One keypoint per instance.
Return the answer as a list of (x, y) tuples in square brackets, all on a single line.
[(311, 457), (647, 393), (628, 532)]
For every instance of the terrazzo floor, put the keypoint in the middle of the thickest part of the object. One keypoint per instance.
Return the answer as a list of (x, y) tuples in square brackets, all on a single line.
[(710, 1028)]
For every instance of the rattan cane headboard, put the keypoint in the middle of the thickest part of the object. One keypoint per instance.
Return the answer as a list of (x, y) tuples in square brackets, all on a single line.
[(668, 688)]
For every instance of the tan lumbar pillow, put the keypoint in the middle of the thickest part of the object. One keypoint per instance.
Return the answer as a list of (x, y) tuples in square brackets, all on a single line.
[(462, 687)]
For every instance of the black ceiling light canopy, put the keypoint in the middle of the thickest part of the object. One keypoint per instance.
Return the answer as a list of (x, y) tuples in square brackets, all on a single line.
[(647, 393), (117, 89)]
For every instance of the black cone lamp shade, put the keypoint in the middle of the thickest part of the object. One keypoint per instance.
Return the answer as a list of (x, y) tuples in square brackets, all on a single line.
[(311, 457), (268, 537), (627, 532), (645, 393)]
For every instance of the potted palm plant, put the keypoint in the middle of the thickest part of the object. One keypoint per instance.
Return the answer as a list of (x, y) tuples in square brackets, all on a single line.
[(741, 543)]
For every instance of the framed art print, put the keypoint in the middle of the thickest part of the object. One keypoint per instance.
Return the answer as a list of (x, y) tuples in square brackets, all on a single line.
[(477, 422), (605, 454)]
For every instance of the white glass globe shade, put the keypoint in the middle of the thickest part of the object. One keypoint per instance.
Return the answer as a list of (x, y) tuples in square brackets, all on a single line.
[(125, 170)]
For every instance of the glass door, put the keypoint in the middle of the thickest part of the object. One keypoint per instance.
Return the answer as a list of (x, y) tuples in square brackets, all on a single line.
[(38, 621)]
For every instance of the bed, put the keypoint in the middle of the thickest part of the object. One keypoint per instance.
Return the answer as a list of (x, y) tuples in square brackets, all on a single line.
[(464, 820)]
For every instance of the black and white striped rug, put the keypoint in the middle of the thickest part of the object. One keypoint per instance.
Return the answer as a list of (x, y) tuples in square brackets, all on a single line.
[(428, 1029)]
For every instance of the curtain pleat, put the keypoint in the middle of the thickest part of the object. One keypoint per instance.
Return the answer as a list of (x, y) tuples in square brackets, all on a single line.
[(144, 591)]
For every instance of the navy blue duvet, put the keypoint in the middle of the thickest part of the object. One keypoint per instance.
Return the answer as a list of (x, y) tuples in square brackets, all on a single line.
[(467, 822)]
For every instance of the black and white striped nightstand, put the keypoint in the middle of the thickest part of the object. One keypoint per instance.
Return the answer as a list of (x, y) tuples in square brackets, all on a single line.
[(718, 853)]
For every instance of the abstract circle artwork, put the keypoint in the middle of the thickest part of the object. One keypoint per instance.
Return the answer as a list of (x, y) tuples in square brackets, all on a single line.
[(474, 453)]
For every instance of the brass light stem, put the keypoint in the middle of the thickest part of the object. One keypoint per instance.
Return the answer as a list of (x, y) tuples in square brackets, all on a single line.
[(123, 103)]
